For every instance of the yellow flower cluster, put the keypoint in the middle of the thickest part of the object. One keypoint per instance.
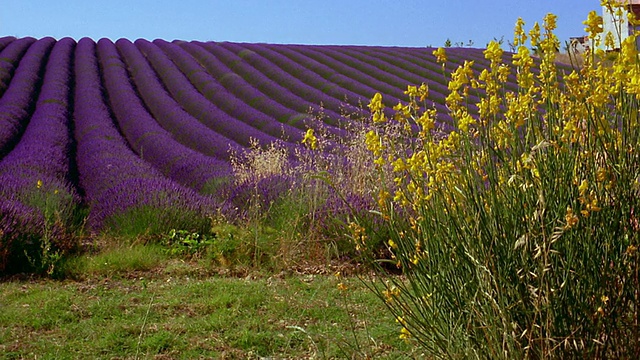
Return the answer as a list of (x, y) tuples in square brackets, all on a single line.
[(537, 117), (310, 139), (441, 55), (376, 106), (359, 235)]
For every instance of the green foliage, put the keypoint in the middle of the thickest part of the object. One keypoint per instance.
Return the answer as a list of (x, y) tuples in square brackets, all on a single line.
[(39, 242), (151, 221), (182, 242)]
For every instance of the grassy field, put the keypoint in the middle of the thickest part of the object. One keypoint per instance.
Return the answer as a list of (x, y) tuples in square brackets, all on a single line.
[(137, 302)]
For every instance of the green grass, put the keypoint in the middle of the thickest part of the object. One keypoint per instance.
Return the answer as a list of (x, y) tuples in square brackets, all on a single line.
[(138, 302)]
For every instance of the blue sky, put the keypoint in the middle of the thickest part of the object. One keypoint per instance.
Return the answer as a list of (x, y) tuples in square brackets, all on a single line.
[(353, 22)]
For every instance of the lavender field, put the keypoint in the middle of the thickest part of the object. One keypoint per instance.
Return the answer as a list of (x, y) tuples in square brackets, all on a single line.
[(91, 131)]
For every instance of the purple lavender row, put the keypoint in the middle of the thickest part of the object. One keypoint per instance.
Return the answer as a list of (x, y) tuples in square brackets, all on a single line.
[(280, 76), (168, 113), (344, 78), (393, 93), (6, 40), (245, 91), (188, 97), (10, 58), (407, 71), (34, 176), (17, 101), (148, 139), (309, 73), (416, 58), (268, 86), (112, 176), (438, 89), (456, 57), (44, 147), (389, 72)]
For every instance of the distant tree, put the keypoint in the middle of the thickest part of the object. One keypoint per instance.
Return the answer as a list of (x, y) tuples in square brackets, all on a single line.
[(447, 43)]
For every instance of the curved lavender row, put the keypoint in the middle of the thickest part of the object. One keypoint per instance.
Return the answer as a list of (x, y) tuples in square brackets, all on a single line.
[(113, 177), (36, 172), (148, 139), (340, 74), (6, 40), (169, 114), (439, 90), (364, 82), (457, 57), (306, 73), (425, 55), (377, 70), (17, 102), (45, 145), (188, 97), (281, 76), (432, 66), (419, 57), (408, 72), (245, 91), (10, 58), (377, 66), (267, 86)]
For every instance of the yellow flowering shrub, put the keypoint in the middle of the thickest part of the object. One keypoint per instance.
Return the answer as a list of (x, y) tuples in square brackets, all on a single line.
[(517, 231)]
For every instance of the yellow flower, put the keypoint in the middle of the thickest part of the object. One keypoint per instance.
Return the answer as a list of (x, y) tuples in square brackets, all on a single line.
[(392, 244), (310, 139), (465, 121), (423, 91), (441, 55), (493, 52), (399, 165), (405, 334), (412, 91), (342, 287), (519, 36), (376, 103), (570, 218), (550, 22), (594, 25), (584, 185), (403, 112), (534, 34), (391, 293), (374, 143), (39, 184)]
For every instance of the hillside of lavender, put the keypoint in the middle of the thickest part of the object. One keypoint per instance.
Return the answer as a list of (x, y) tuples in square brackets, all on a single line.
[(98, 135)]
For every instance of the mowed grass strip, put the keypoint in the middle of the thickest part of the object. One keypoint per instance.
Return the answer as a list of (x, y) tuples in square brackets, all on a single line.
[(178, 310)]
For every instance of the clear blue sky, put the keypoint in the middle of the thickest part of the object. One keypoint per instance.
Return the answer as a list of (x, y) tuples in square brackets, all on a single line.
[(354, 22)]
